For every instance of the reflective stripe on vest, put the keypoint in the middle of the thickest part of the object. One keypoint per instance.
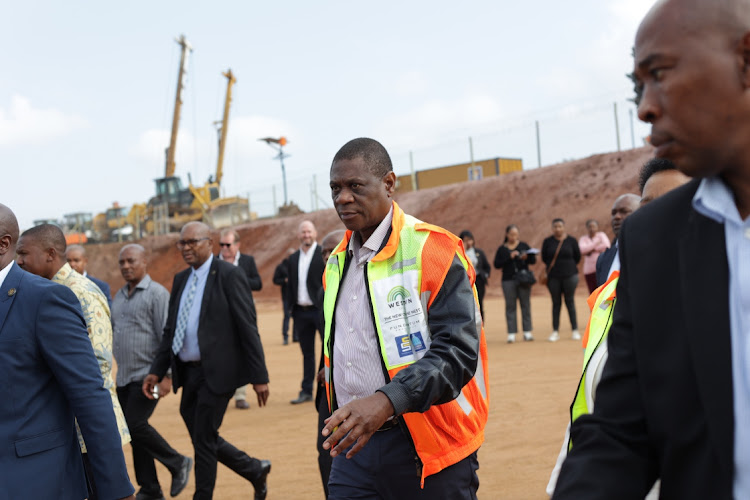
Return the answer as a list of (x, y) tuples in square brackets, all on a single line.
[(403, 281), (596, 331)]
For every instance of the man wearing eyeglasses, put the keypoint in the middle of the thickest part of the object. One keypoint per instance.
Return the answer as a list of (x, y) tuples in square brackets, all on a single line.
[(229, 243), (212, 344)]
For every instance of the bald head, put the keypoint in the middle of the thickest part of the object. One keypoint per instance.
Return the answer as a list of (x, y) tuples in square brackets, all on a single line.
[(623, 206), (330, 241), (132, 263), (306, 234), (692, 76), (8, 235), (76, 257), (195, 243)]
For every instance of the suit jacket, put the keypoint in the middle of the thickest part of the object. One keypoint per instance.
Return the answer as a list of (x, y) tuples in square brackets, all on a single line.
[(230, 347), (604, 262), (48, 374), (247, 263), (664, 406), (314, 280), (483, 268), (281, 278), (104, 287)]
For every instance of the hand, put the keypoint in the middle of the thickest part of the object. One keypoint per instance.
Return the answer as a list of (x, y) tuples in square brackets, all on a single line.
[(524, 256), (131, 497), (321, 377), (514, 254), (261, 390), (356, 421), (165, 387), (148, 385)]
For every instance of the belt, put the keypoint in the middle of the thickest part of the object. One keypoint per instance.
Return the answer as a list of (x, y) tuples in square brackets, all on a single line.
[(305, 308), (388, 425)]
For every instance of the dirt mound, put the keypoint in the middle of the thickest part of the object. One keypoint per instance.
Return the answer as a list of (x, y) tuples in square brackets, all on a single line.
[(575, 191)]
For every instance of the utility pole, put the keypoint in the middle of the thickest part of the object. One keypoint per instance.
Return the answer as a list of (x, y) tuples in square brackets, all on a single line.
[(278, 145), (169, 171), (413, 172), (617, 128), (632, 130), (538, 146)]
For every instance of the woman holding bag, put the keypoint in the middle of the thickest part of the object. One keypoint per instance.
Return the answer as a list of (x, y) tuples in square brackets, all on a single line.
[(561, 255), (512, 257)]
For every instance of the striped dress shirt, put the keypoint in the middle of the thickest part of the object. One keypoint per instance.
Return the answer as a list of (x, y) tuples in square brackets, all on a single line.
[(138, 328), (356, 354)]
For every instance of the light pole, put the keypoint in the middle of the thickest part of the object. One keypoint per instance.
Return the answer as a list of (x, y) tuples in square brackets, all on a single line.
[(278, 145)]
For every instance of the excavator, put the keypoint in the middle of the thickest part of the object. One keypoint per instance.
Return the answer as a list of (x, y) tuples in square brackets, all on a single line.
[(174, 205)]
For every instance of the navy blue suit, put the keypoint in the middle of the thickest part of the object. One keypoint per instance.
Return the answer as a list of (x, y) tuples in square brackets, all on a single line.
[(48, 374), (104, 287)]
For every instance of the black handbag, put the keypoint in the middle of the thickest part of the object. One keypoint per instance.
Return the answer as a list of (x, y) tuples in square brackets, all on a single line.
[(524, 277)]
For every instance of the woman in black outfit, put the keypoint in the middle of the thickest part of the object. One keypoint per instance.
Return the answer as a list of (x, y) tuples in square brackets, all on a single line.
[(481, 266), (512, 256), (562, 277)]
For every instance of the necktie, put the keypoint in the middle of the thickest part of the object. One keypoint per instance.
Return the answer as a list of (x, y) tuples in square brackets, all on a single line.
[(182, 320)]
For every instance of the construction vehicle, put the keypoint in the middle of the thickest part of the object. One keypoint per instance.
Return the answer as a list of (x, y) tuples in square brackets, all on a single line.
[(173, 205), (119, 223)]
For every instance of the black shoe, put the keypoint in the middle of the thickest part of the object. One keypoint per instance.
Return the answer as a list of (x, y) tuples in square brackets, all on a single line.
[(303, 397), (180, 478), (145, 496), (295, 339), (260, 483), (286, 341)]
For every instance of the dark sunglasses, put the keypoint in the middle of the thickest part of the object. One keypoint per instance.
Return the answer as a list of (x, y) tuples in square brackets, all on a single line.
[(225, 245)]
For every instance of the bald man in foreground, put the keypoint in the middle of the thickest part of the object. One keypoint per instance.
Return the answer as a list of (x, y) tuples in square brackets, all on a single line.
[(49, 376), (674, 399)]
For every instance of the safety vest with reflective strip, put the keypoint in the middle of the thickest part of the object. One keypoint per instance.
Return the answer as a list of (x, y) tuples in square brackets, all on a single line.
[(403, 280), (602, 304)]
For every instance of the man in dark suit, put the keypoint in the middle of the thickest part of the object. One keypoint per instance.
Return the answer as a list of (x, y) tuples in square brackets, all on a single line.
[(281, 278), (76, 257), (211, 342), (674, 397), (50, 375), (305, 280), (229, 251), (609, 260)]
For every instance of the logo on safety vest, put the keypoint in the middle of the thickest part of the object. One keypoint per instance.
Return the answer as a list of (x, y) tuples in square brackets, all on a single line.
[(398, 296), (409, 344)]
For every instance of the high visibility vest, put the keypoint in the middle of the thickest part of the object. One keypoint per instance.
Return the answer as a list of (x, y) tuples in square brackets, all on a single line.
[(602, 304), (403, 280)]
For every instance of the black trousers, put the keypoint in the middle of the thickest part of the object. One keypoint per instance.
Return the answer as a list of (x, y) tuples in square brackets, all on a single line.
[(203, 411), (559, 288), (306, 322), (146, 442), (324, 456)]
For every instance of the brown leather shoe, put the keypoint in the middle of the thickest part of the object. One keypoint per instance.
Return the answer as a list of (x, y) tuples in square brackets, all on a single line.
[(241, 404)]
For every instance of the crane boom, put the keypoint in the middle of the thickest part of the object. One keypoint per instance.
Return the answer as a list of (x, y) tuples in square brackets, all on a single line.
[(231, 80), (169, 171)]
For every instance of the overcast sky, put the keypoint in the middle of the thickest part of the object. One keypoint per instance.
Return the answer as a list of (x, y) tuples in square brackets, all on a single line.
[(87, 91)]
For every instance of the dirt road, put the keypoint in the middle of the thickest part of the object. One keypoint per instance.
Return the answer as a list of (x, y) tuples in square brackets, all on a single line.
[(531, 384)]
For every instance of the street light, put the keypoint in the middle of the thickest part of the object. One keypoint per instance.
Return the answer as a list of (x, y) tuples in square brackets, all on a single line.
[(278, 145)]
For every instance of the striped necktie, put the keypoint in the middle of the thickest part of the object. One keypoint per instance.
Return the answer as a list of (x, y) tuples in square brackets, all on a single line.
[(182, 320)]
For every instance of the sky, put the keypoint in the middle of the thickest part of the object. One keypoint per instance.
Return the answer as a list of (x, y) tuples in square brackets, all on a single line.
[(87, 91)]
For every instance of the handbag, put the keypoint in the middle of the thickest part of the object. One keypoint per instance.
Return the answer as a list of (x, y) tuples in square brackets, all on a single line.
[(543, 274), (524, 277)]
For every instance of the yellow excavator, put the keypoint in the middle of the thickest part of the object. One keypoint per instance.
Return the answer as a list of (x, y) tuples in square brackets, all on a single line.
[(173, 205)]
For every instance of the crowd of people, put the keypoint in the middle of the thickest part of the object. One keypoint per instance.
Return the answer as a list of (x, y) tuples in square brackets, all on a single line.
[(402, 382)]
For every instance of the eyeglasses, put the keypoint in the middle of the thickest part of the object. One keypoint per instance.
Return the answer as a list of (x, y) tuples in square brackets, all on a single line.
[(225, 245), (190, 243)]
